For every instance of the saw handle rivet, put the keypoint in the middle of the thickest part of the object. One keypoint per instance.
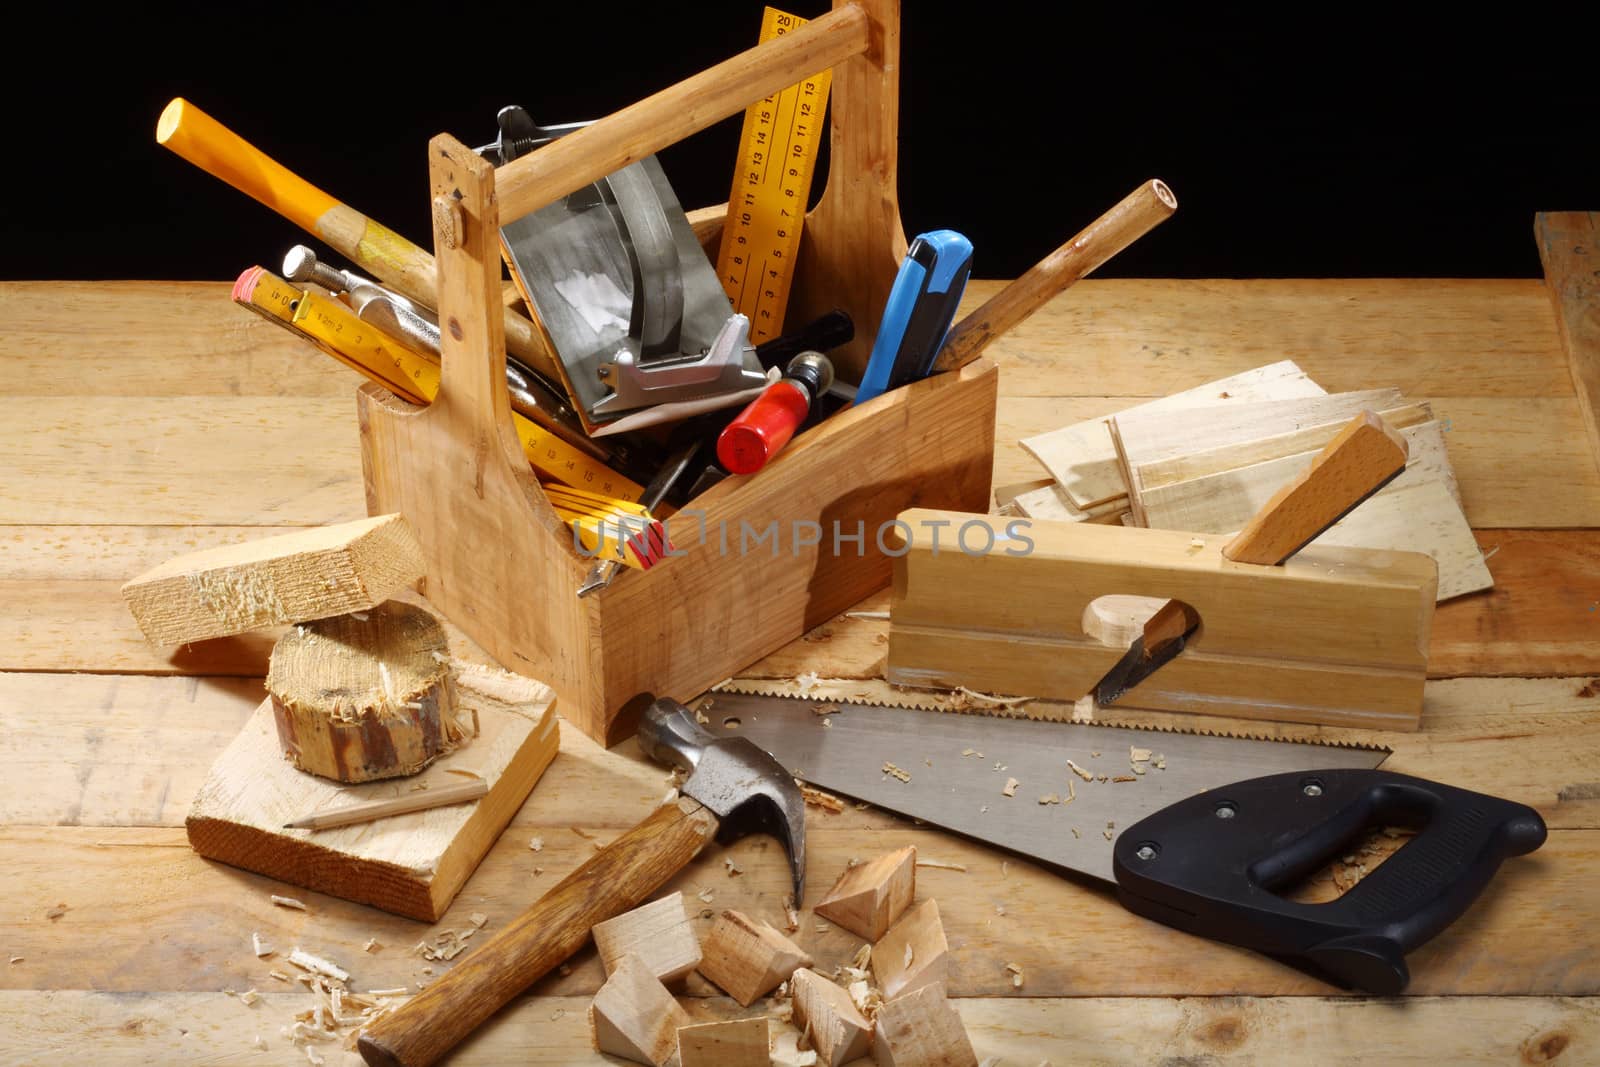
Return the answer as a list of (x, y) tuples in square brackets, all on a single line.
[(1147, 850), (1311, 787), (731, 723), (1226, 810)]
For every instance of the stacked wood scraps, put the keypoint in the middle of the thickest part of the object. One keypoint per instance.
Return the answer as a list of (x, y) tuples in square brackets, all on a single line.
[(1207, 459)]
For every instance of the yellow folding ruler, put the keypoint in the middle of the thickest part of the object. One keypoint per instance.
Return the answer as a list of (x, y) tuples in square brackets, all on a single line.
[(333, 327), (771, 184)]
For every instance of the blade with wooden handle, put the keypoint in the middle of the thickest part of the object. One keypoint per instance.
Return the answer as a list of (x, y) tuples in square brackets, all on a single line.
[(735, 788), (1365, 456)]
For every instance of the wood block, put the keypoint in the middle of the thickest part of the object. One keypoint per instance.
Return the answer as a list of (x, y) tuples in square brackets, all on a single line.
[(633, 1016), (1335, 635), (922, 1029), (659, 934), (364, 696), (1083, 459), (412, 864), (746, 958), (913, 953), (1568, 243), (828, 1018), (733, 1043), (308, 574), (1360, 459), (869, 897)]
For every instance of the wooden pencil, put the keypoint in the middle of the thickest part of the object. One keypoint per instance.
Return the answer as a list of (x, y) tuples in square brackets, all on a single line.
[(367, 810)]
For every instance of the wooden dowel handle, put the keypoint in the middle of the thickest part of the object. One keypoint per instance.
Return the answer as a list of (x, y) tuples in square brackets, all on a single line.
[(1136, 215), (619, 877), (1366, 455), (372, 247), (641, 129)]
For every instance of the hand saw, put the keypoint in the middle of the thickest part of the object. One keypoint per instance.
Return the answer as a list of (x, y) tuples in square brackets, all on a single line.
[(1196, 830)]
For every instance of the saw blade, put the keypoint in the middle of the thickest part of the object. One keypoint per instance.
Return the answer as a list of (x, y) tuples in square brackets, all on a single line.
[(1075, 784)]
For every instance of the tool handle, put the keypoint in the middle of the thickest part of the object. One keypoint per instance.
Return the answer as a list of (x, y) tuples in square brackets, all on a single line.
[(218, 151), (1365, 456), (1134, 216), (619, 877), (1220, 877), (1170, 622)]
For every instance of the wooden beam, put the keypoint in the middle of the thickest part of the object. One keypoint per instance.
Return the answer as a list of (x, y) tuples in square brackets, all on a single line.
[(1569, 248)]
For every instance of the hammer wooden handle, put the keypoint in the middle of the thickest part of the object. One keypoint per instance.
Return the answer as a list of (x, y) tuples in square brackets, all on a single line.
[(1362, 459), (1134, 216), (375, 248), (617, 878)]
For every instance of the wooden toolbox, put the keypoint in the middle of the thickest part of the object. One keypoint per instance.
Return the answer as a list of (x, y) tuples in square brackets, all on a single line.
[(503, 567)]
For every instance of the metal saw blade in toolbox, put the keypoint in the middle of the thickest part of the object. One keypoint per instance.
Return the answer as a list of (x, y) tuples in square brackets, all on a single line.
[(954, 768)]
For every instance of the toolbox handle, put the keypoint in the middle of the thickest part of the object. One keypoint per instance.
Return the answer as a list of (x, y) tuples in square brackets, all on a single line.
[(1214, 864)]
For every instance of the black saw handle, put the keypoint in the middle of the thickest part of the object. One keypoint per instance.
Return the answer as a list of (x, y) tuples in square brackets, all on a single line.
[(1213, 865)]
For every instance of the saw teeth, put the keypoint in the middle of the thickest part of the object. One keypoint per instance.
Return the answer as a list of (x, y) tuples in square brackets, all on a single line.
[(823, 694)]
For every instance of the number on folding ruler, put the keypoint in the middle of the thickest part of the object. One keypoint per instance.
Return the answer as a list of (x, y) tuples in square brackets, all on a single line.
[(771, 183)]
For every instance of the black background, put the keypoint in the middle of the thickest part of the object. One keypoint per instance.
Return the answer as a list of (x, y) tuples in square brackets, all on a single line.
[(1325, 141)]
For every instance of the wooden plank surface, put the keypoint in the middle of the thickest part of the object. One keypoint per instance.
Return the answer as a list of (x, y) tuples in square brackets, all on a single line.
[(1569, 248), (223, 432)]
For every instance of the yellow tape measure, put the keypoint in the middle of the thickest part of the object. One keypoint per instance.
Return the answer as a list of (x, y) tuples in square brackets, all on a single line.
[(771, 183)]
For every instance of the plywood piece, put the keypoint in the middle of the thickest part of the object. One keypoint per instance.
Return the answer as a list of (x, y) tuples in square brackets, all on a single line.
[(747, 958), (730, 1043), (293, 577), (826, 1015), (1335, 636), (869, 897), (658, 934), (922, 1029), (1083, 460), (413, 864), (1569, 248), (634, 1017)]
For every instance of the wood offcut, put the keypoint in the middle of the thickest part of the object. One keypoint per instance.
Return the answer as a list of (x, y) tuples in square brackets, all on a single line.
[(869, 897), (658, 934), (747, 958)]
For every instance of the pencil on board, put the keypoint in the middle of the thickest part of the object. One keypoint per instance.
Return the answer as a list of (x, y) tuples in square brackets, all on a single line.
[(367, 810)]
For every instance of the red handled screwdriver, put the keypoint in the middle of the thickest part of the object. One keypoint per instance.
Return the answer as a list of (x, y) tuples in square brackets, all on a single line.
[(761, 430)]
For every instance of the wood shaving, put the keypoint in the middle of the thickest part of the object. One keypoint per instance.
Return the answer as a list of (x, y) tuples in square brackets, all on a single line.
[(1016, 975), (1125, 778), (808, 681), (372, 945), (317, 965), (18, 959), (1072, 791), (478, 919), (706, 895), (1109, 835), (537, 844), (311, 1054), (259, 947), (790, 914), (825, 709), (289, 902), (1139, 768), (1137, 754), (1005, 868), (786, 1052), (1083, 708), (909, 955), (1160, 763), (279, 975), (1075, 832), (986, 698), (387, 992), (999, 909), (1087, 776), (863, 954), (942, 865), (1050, 798), (818, 799), (701, 717), (1010, 789), (249, 997), (1102, 778), (971, 752), (56, 912), (866, 614), (733, 868), (895, 772)]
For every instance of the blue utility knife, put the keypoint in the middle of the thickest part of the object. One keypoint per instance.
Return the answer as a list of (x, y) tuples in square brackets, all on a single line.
[(915, 320)]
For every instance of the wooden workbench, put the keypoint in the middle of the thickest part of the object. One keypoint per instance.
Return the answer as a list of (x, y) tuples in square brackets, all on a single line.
[(145, 419)]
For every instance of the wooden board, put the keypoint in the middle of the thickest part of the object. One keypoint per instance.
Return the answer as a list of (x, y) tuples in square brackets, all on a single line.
[(1082, 458), (410, 864), (1569, 248)]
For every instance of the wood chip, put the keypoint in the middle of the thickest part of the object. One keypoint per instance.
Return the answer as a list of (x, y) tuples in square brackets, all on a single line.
[(18, 959), (1160, 763), (986, 698), (260, 947), (866, 614), (942, 865), (1137, 755), (1010, 789), (790, 915), (279, 975), (971, 752), (289, 902), (478, 919), (1016, 975), (706, 895), (863, 954), (1050, 798), (537, 844), (372, 945), (1087, 776), (56, 912), (317, 965), (1125, 778), (733, 868), (895, 772), (818, 799), (249, 997)]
